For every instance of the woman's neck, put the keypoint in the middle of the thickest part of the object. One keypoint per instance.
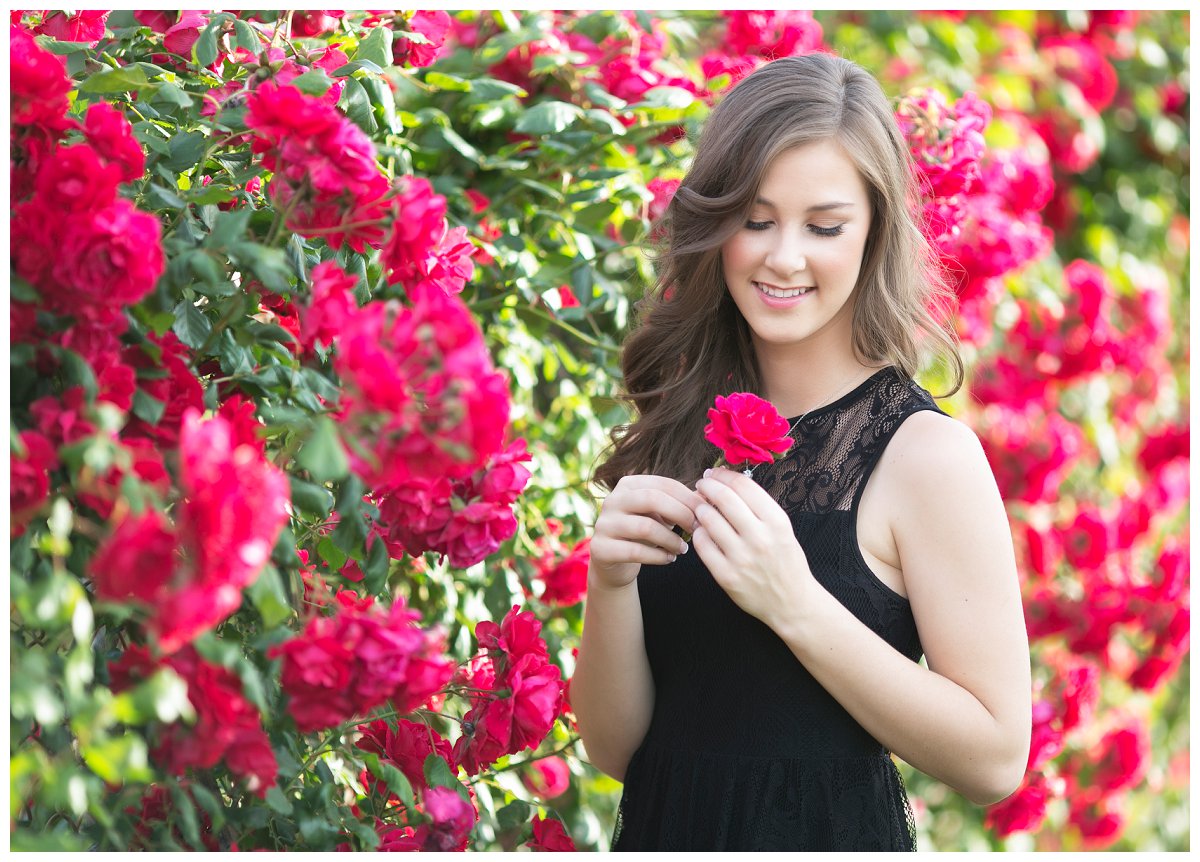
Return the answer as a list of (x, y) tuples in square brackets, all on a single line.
[(797, 385)]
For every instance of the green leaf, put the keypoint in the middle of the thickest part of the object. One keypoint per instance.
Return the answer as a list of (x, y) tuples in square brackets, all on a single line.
[(209, 802), (490, 89), (333, 556), (269, 264), (395, 780), (447, 82), (664, 97), (121, 80), (314, 82), (357, 106), (146, 407), (204, 52), (375, 569), (513, 815), (322, 454), (266, 592), (355, 65), (56, 47), (438, 774), (456, 142), (77, 372), (229, 228), (548, 118), (311, 497), (118, 759), (600, 96), (161, 196), (172, 94), (187, 819), (278, 802), (191, 325), (384, 104), (377, 47), (246, 37), (186, 149)]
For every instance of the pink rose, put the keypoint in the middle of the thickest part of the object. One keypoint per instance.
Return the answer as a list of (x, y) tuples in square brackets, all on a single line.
[(747, 428), (548, 777)]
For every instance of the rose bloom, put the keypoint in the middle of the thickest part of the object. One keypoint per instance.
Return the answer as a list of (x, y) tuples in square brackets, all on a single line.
[(405, 747), (110, 133), (772, 33), (434, 25), (548, 777), (550, 835), (747, 428), (29, 480), (227, 725), (79, 27), (566, 579), (1024, 811)]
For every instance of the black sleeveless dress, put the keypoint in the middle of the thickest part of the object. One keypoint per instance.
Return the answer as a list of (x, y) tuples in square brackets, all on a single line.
[(746, 751)]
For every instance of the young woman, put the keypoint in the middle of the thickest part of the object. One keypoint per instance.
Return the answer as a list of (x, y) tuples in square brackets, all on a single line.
[(750, 690)]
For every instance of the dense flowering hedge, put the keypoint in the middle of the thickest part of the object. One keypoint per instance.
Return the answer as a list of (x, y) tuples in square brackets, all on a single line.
[(314, 321)]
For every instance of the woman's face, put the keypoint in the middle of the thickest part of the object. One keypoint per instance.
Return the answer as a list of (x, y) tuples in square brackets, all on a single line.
[(793, 266)]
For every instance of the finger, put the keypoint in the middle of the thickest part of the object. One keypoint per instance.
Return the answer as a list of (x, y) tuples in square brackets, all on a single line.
[(658, 502), (757, 500), (711, 555), (717, 527), (668, 486), (646, 531), (616, 551), (731, 506)]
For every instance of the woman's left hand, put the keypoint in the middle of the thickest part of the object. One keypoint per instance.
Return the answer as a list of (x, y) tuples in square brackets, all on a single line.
[(746, 540)]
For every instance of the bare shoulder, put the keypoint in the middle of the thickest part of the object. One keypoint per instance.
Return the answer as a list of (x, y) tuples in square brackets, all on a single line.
[(940, 484), (935, 452)]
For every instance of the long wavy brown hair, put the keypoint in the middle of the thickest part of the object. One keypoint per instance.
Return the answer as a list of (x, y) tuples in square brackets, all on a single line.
[(691, 343)]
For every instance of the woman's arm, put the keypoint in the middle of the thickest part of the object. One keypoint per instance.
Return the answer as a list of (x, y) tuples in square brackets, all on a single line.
[(612, 691), (966, 719)]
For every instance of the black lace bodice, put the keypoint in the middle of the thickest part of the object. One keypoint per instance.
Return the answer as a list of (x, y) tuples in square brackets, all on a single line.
[(746, 750)]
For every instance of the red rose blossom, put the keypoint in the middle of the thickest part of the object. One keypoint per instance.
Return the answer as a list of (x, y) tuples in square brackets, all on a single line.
[(550, 835), (747, 429), (548, 777)]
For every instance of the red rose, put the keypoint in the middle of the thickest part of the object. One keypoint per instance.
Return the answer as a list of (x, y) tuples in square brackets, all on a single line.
[(1024, 811), (550, 835), (81, 27), (565, 579), (109, 132), (405, 747), (747, 428), (548, 777), (136, 561), (29, 481)]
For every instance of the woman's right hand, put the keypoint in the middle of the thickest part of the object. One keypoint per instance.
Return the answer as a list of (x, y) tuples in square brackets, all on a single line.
[(634, 528)]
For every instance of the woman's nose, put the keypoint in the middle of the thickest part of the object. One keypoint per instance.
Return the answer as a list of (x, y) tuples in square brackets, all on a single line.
[(787, 257)]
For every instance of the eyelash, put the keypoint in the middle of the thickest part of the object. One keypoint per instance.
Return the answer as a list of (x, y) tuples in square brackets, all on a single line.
[(836, 230)]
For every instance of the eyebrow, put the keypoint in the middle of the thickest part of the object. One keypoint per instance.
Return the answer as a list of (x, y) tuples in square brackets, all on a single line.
[(832, 205)]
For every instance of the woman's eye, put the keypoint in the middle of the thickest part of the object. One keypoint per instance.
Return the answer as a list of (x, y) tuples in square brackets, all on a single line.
[(757, 225), (836, 230)]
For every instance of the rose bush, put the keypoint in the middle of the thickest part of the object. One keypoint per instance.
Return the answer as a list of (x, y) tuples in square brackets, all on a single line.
[(314, 322)]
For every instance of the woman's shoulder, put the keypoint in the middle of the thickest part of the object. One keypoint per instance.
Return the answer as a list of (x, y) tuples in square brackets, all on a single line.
[(932, 452)]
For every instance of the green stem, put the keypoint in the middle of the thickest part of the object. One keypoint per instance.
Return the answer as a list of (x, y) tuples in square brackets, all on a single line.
[(585, 338), (226, 318)]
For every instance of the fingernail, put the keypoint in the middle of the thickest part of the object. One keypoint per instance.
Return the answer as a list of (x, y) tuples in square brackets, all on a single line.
[(672, 559), (708, 472), (695, 526), (683, 547)]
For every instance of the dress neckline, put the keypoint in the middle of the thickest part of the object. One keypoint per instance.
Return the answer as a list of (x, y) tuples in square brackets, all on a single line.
[(851, 396)]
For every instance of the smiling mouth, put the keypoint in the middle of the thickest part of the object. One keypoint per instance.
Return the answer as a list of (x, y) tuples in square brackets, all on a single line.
[(783, 293)]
